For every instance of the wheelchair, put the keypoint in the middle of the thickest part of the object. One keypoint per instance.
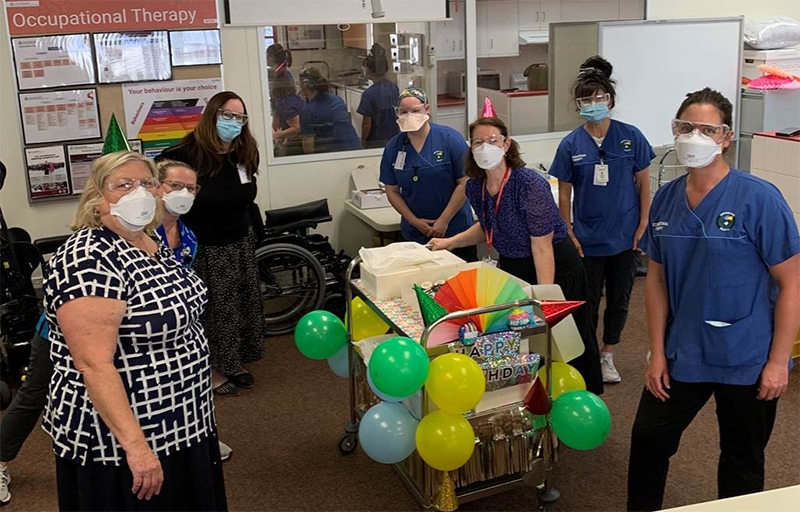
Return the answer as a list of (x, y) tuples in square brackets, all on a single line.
[(299, 271)]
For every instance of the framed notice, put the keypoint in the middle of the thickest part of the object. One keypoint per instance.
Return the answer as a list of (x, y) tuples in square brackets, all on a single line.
[(195, 47), (132, 56), (53, 61), (56, 116), (82, 156), (47, 172)]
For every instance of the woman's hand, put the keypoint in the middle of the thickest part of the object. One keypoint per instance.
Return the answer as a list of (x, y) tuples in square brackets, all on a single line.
[(439, 227), (576, 242), (638, 236), (656, 379), (442, 244), (424, 226), (774, 380), (146, 469)]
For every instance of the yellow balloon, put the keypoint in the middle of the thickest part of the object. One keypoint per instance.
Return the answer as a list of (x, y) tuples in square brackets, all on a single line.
[(445, 441), (565, 378), (366, 323), (455, 383)]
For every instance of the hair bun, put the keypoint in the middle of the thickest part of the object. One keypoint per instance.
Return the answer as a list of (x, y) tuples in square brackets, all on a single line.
[(597, 64)]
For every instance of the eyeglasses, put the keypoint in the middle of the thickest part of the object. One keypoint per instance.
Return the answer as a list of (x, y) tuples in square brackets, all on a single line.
[(177, 186), (229, 115), (125, 185), (715, 131), (413, 110), (495, 140), (597, 98)]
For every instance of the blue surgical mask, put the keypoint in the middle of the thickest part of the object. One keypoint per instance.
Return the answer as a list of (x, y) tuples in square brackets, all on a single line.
[(228, 129), (595, 112)]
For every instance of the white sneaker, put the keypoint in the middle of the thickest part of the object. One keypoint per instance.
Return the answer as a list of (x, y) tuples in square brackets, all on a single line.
[(5, 479), (225, 451), (610, 373)]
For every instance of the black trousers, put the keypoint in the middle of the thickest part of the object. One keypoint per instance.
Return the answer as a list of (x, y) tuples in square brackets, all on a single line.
[(28, 404), (617, 272), (571, 277), (468, 254), (745, 425)]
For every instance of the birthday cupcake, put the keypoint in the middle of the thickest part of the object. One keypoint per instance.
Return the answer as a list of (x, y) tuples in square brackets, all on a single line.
[(519, 319), (468, 334)]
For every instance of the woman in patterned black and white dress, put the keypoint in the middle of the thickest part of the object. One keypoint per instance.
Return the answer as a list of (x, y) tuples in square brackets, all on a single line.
[(130, 409)]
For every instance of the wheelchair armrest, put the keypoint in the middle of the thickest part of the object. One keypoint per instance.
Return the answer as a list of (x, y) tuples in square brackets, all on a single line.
[(303, 216), (50, 244)]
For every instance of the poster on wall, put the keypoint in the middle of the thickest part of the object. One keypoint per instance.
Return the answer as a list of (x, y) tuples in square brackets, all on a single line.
[(82, 156), (47, 171), (160, 114), (59, 116), (36, 17), (53, 61), (195, 47), (132, 56)]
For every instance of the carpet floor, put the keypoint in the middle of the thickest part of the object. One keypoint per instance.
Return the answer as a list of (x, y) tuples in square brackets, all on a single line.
[(284, 436)]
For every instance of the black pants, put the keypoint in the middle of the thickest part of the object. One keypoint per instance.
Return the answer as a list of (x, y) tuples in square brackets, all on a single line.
[(571, 277), (617, 273), (468, 254), (745, 425), (23, 413)]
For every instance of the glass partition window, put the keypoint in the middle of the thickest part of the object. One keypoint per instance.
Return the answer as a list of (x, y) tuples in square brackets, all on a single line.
[(334, 88)]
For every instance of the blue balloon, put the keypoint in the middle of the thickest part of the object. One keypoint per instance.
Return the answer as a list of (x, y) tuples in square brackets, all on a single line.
[(340, 362), (387, 433), (383, 396)]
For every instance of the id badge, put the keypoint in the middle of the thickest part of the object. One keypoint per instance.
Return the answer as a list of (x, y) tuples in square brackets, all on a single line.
[(243, 177), (400, 161), (488, 260), (601, 175)]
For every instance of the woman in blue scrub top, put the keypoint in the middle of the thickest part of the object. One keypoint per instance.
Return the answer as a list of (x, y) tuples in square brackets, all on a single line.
[(605, 162), (286, 108), (325, 123), (423, 170), (377, 103), (722, 296)]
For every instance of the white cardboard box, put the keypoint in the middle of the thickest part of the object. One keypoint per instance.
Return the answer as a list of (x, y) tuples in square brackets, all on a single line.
[(389, 283), (368, 193), (787, 59)]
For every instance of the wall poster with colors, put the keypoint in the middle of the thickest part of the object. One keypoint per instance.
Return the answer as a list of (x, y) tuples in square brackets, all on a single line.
[(47, 171), (82, 156), (160, 114), (56, 116), (53, 61)]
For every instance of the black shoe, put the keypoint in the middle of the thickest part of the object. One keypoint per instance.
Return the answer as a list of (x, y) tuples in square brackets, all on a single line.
[(243, 380), (227, 388)]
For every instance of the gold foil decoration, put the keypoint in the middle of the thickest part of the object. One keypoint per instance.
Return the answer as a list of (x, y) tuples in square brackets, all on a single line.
[(446, 499)]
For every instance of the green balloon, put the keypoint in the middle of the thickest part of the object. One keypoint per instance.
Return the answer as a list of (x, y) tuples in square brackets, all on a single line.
[(399, 367), (580, 419), (320, 334)]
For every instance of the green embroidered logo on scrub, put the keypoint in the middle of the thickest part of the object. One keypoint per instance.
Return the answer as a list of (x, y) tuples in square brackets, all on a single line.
[(438, 156), (726, 221), (626, 145)]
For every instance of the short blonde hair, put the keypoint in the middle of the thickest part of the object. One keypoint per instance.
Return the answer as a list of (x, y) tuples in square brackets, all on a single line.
[(165, 165), (102, 168)]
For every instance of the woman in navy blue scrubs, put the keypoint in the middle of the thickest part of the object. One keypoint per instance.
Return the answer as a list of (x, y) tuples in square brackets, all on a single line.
[(423, 170), (722, 296), (378, 102), (605, 162), (325, 123)]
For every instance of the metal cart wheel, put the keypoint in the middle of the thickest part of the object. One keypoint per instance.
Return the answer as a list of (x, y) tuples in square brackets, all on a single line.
[(292, 283), (348, 442)]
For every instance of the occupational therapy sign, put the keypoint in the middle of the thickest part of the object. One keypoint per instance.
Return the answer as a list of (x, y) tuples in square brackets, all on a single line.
[(37, 17)]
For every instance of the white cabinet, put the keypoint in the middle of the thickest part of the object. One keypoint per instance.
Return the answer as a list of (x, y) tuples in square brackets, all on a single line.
[(353, 101), (455, 117), (538, 14), (498, 28), (449, 36), (631, 9), (589, 10)]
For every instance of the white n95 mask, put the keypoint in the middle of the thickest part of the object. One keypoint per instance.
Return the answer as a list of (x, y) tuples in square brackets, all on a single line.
[(178, 203), (135, 210), (488, 156), (411, 122), (696, 150)]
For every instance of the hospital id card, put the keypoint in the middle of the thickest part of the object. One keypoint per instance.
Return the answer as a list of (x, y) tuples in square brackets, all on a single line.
[(400, 161), (243, 177), (601, 175)]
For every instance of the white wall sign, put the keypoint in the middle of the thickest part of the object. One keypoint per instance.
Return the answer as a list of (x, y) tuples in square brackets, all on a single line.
[(53, 61), (59, 116)]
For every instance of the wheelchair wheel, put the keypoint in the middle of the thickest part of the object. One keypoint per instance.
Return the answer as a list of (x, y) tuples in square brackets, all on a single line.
[(292, 283)]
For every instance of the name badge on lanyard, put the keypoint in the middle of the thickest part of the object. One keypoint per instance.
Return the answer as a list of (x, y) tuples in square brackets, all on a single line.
[(601, 174), (400, 161)]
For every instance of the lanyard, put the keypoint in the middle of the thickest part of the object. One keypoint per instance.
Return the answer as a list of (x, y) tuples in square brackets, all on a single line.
[(490, 231)]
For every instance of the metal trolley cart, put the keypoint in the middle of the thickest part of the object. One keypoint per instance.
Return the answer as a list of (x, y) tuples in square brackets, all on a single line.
[(512, 448)]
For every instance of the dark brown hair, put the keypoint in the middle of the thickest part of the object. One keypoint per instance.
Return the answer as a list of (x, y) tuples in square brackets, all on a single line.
[(709, 96), (208, 149), (279, 55), (595, 75), (513, 158), (376, 62), (311, 78)]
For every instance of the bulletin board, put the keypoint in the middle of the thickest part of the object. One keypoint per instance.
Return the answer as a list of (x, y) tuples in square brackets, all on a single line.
[(68, 105)]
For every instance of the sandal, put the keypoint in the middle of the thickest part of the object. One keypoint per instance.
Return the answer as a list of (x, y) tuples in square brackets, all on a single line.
[(227, 388), (243, 380)]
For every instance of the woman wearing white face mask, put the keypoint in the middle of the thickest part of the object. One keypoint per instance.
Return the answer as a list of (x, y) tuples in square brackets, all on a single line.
[(177, 192), (519, 218), (722, 296), (423, 170), (124, 328)]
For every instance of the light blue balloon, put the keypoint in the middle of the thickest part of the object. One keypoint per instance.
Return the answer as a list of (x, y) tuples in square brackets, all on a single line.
[(383, 396), (387, 433), (340, 362)]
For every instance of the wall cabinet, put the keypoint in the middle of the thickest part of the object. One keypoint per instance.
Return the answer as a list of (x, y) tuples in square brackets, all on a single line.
[(498, 28), (356, 37), (631, 9), (589, 10), (538, 14), (449, 36)]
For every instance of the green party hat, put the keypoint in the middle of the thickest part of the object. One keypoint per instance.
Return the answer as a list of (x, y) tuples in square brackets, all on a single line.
[(431, 310), (115, 139)]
